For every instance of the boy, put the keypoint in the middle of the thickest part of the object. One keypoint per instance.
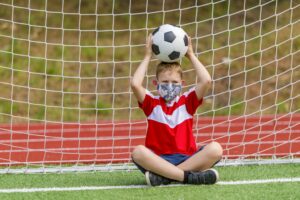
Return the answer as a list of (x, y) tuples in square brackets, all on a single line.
[(170, 152)]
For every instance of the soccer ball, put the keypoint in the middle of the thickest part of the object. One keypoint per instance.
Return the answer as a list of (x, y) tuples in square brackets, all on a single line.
[(169, 43)]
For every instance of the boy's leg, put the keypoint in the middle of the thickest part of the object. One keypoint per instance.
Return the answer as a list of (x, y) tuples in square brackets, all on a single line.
[(203, 159), (154, 163)]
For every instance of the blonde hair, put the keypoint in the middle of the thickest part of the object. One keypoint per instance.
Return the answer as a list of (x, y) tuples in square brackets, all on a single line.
[(163, 66)]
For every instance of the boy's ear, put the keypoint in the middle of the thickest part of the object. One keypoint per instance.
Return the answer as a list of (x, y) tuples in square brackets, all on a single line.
[(183, 82), (155, 82)]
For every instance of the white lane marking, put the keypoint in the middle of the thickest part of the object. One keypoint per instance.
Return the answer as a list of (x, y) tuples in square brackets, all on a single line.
[(54, 189)]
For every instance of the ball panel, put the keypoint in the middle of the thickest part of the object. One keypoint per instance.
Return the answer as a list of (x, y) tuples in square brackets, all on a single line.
[(167, 27), (164, 54), (174, 55), (186, 40), (180, 46), (169, 36), (155, 49), (155, 31), (158, 37)]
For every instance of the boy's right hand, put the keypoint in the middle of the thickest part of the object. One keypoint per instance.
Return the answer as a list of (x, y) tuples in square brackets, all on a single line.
[(149, 46)]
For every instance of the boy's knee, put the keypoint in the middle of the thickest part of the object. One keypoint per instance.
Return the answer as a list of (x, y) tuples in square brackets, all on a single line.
[(138, 153), (216, 150)]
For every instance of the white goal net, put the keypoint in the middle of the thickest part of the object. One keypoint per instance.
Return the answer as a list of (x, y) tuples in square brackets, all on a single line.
[(65, 68)]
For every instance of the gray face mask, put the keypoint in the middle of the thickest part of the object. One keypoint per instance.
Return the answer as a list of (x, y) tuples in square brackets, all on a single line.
[(169, 91)]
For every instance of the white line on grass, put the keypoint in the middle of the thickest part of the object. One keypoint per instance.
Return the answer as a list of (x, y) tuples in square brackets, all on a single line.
[(276, 180), (243, 182)]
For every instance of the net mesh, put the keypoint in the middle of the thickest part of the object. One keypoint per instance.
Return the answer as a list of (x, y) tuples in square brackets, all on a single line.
[(65, 69)]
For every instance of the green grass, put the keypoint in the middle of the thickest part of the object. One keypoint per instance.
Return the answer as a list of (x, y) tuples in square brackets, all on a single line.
[(254, 191)]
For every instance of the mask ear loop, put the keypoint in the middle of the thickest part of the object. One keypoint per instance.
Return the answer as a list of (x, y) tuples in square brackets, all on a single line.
[(157, 86)]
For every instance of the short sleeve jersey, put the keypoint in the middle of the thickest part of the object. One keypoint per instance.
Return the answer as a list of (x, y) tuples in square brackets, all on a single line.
[(170, 124)]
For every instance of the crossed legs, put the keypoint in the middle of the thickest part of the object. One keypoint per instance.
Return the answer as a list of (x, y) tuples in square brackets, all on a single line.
[(200, 161)]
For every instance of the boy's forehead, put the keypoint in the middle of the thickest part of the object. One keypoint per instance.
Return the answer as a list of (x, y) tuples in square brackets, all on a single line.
[(169, 74)]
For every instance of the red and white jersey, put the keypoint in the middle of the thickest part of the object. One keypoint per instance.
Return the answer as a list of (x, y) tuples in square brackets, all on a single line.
[(170, 125)]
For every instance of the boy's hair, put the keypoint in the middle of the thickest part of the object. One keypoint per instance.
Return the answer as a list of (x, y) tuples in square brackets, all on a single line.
[(164, 66)]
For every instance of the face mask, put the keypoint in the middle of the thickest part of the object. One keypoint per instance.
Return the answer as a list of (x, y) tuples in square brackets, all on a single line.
[(168, 91)]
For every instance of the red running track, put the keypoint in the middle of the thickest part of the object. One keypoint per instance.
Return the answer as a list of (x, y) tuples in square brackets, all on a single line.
[(106, 142)]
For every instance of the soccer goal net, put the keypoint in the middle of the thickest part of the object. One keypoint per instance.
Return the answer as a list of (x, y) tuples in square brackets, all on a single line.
[(65, 68)]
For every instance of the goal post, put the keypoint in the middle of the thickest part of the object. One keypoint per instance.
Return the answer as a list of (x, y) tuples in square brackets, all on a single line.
[(65, 69)]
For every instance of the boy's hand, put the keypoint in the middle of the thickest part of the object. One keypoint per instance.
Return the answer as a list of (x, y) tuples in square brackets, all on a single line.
[(190, 51), (149, 46)]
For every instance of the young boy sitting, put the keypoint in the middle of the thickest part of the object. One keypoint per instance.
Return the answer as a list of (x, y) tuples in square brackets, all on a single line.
[(170, 152)]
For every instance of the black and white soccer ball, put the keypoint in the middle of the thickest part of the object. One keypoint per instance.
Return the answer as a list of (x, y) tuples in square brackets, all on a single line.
[(170, 43)]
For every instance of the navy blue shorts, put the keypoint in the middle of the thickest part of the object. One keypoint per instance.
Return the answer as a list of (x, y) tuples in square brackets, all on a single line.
[(174, 159)]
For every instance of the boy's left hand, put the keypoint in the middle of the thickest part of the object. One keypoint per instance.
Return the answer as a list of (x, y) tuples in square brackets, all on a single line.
[(190, 50)]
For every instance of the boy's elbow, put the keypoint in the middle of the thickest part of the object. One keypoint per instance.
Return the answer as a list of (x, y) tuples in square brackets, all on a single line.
[(207, 82), (133, 84)]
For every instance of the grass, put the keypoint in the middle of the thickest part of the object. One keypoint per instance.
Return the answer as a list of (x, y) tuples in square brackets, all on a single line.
[(266, 191), (127, 178)]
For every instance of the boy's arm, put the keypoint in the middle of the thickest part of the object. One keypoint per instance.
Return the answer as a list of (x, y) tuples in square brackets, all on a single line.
[(204, 78), (138, 77)]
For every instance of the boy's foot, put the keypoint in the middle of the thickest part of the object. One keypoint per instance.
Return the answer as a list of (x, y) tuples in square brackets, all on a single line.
[(155, 180), (209, 176)]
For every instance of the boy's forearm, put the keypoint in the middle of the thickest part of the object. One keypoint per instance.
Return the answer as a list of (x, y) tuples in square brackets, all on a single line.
[(139, 75), (140, 72), (202, 74)]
